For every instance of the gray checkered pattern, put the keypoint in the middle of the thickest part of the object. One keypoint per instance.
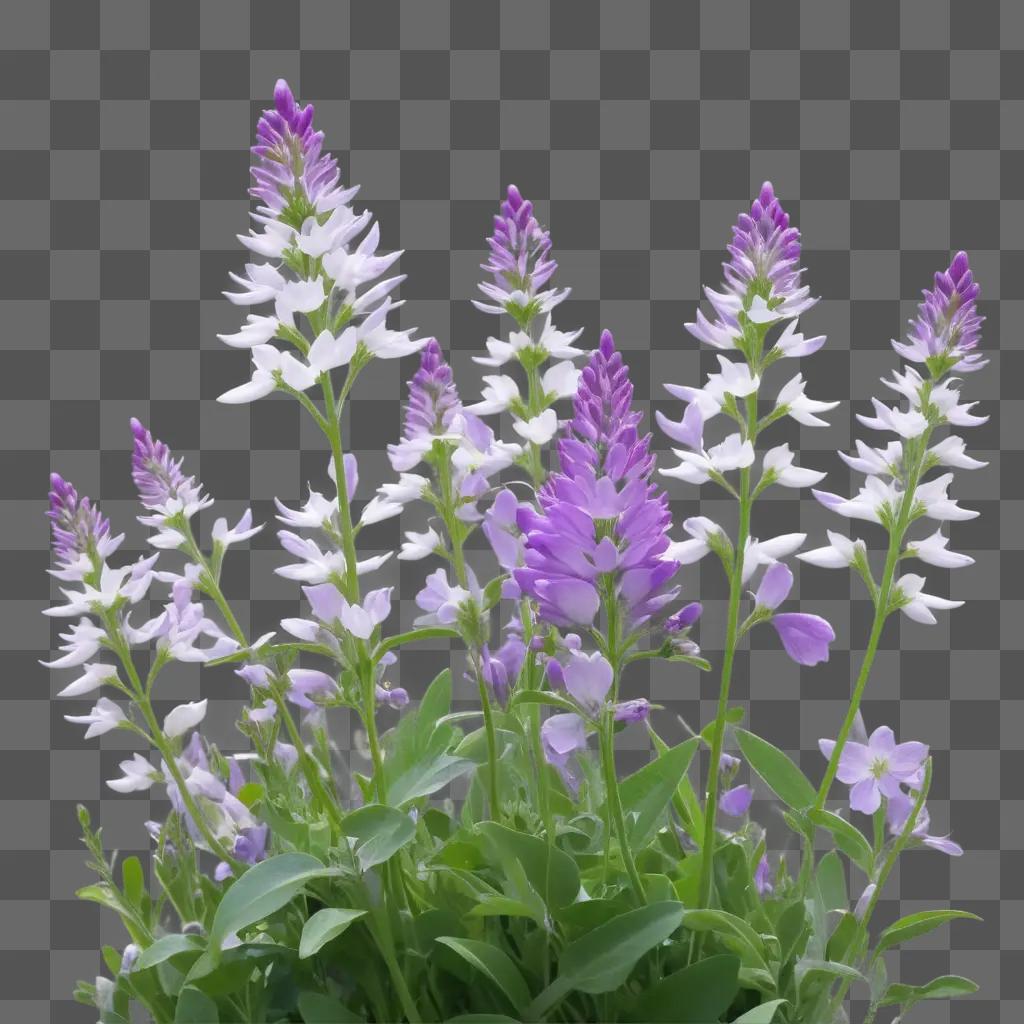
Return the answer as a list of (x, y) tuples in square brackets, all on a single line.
[(894, 133)]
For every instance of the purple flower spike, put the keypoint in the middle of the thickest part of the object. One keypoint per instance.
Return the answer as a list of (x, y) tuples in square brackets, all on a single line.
[(600, 515), (161, 484), (762, 275), (877, 768), (948, 326), (804, 637), (520, 262), (79, 530), (289, 163)]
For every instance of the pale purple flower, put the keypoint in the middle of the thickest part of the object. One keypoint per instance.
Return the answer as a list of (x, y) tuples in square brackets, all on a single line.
[(736, 802), (440, 600), (900, 807), (94, 676), (877, 768), (257, 676), (762, 275), (805, 638), (306, 683), (501, 529), (137, 775), (762, 878), (684, 618), (948, 326), (520, 263), (501, 669), (81, 642), (776, 583), (588, 678), (392, 696), (80, 532), (104, 716), (418, 546), (916, 604), (162, 485), (779, 468), (636, 710), (127, 584), (286, 755), (242, 530)]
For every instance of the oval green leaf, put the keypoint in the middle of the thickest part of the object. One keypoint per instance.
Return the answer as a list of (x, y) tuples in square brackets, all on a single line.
[(494, 965), (319, 1009), (379, 832), (949, 986), (848, 838), (323, 926), (264, 888), (195, 1007), (747, 942), (549, 870), (694, 995), (781, 775), (168, 946), (763, 1014)]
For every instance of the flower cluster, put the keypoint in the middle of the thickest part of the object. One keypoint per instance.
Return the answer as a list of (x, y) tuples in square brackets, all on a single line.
[(286, 892)]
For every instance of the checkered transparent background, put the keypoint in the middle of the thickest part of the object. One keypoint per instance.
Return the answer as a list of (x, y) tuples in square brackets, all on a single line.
[(894, 133)]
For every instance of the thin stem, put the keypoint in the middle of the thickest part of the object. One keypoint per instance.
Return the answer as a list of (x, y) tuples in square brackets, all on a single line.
[(348, 537), (492, 742), (614, 804), (718, 735)]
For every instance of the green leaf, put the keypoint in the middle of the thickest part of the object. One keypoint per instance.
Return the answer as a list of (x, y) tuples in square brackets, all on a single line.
[(949, 986), (831, 881), (549, 870), (731, 927), (424, 779), (732, 716), (910, 927), (694, 995), (763, 1014), (494, 964), (323, 926), (166, 947), (809, 970), (318, 1009), (781, 775), (379, 832), (848, 838), (264, 888), (428, 633), (649, 791), (195, 1007), (132, 880), (840, 940), (481, 1018), (602, 959)]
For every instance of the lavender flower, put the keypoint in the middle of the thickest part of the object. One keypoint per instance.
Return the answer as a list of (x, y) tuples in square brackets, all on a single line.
[(762, 878), (877, 768), (900, 806), (520, 263), (762, 276), (948, 326), (805, 637), (81, 535), (501, 669), (601, 524), (163, 487)]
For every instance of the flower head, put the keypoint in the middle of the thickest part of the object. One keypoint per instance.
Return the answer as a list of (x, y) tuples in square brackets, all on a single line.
[(947, 328), (79, 530), (877, 768), (601, 522), (163, 487)]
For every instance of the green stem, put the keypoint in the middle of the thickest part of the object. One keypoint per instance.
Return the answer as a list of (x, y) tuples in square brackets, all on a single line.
[(348, 537), (882, 611), (492, 742), (614, 803), (718, 734)]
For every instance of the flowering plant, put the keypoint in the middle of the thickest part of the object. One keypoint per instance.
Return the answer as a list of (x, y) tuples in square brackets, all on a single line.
[(282, 890)]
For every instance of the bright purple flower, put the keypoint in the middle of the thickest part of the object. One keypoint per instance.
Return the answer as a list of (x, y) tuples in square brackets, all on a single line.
[(877, 768), (600, 516), (762, 275), (501, 530), (79, 531), (948, 325), (899, 809), (162, 486), (684, 618), (501, 669), (804, 637), (290, 166), (520, 261), (762, 878), (775, 586), (736, 801)]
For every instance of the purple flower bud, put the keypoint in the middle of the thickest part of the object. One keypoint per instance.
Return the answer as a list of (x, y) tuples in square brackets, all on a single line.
[(684, 618), (736, 802), (555, 673), (948, 324), (632, 710), (161, 484), (309, 682), (257, 676), (501, 669), (804, 637), (396, 697), (762, 878), (775, 586)]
